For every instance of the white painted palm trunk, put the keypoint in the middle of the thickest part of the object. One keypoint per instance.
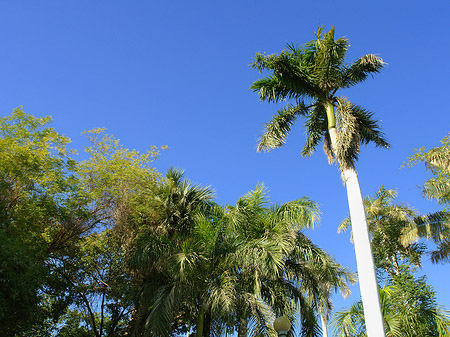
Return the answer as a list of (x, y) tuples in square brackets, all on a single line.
[(324, 325), (364, 259)]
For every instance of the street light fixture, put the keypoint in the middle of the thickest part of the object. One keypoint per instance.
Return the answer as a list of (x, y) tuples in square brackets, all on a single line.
[(282, 326)]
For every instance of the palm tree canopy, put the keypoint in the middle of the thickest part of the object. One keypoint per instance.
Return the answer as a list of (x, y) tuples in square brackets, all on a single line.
[(310, 77), (388, 221), (409, 309), (435, 226)]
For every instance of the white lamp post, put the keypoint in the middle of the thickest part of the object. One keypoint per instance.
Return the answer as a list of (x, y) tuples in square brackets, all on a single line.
[(282, 326)]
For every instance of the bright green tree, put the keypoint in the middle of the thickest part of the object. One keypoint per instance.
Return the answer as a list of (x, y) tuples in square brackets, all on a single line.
[(43, 210), (49, 206), (310, 78), (119, 184)]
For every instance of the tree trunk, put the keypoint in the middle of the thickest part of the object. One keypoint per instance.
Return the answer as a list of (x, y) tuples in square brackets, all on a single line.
[(207, 324), (243, 327), (201, 318), (364, 259)]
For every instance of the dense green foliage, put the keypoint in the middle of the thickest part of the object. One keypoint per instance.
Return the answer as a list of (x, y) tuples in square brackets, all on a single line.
[(409, 309), (108, 247), (42, 210), (408, 303)]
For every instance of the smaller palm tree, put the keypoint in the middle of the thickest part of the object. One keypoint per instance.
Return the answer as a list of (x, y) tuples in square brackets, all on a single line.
[(280, 271), (409, 310), (435, 226), (387, 222)]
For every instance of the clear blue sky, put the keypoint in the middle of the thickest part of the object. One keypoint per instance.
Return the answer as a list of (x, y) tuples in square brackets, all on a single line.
[(177, 73)]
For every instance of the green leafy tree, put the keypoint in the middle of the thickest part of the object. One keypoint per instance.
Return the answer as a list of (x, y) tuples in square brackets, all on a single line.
[(42, 211), (50, 204), (99, 284), (118, 184), (435, 226), (310, 78)]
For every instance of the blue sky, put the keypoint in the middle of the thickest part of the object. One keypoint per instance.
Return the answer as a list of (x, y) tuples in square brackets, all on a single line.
[(177, 73)]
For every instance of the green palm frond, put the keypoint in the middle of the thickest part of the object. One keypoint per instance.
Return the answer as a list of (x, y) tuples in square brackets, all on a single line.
[(442, 252), (291, 77), (363, 67), (369, 129), (277, 129), (297, 214), (350, 323), (438, 190), (271, 89), (316, 126), (160, 314), (328, 63), (435, 226)]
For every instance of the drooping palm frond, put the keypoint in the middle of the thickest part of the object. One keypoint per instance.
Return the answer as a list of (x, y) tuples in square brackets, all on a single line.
[(316, 126), (437, 189), (435, 226), (348, 140), (442, 252), (369, 129), (355, 126), (277, 129), (270, 89), (359, 70), (291, 77), (297, 214)]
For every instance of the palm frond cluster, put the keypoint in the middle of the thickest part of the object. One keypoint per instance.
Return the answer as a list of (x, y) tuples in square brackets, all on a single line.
[(309, 77), (208, 270)]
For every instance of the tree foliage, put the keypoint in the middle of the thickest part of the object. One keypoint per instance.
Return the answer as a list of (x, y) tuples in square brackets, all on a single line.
[(408, 303), (42, 210), (310, 77), (435, 226), (409, 309), (387, 222)]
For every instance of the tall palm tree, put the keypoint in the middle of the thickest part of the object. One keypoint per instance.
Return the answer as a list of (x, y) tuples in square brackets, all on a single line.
[(310, 78)]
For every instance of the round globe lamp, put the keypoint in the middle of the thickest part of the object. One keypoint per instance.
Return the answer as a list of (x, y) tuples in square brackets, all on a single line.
[(282, 326)]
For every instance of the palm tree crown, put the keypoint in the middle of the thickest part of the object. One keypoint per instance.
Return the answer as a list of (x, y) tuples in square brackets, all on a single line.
[(310, 77)]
